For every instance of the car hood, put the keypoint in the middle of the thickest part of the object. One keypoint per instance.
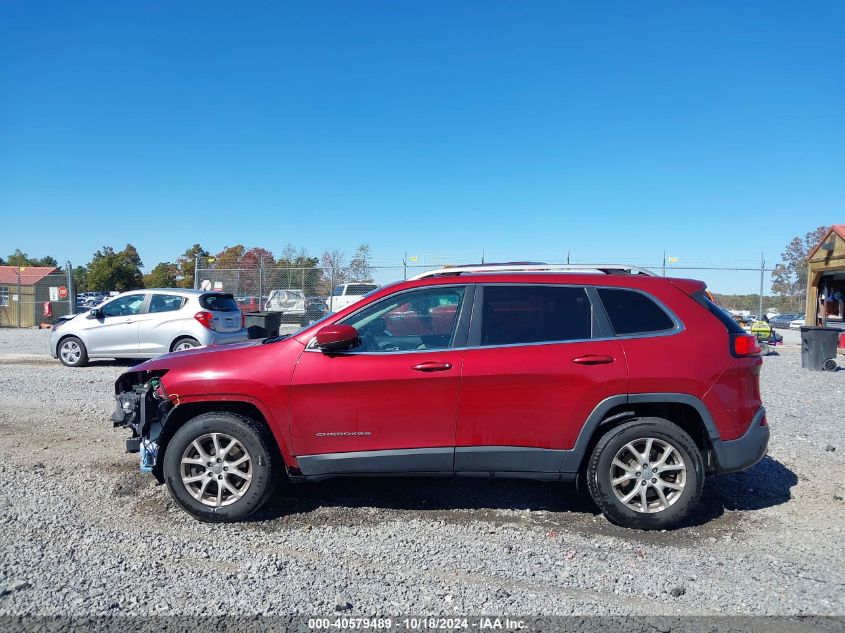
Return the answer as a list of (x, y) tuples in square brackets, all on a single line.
[(200, 355)]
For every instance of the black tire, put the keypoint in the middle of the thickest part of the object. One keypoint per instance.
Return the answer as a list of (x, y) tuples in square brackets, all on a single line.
[(72, 352), (680, 505), (185, 342), (255, 441)]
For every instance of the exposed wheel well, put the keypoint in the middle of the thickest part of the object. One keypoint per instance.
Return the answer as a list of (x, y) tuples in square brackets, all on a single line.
[(185, 412), (683, 415)]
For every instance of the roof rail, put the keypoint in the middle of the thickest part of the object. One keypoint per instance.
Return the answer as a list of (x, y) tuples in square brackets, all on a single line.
[(606, 269)]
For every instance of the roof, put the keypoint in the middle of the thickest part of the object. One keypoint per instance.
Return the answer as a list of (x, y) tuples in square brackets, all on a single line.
[(839, 229), (30, 276)]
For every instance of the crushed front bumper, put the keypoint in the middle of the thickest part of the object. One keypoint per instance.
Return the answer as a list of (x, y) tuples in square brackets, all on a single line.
[(141, 405)]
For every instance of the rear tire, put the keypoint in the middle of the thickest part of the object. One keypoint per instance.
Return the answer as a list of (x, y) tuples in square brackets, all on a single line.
[(646, 474), (72, 352), (219, 467), (182, 344)]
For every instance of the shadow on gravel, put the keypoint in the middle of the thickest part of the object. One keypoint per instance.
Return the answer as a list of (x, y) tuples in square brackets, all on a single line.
[(457, 500), (439, 498), (768, 484)]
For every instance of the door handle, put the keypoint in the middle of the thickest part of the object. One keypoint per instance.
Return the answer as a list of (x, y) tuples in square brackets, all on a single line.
[(129, 321), (593, 359), (432, 366)]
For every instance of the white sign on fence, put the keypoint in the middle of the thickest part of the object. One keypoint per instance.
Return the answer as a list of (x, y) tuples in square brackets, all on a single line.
[(54, 293)]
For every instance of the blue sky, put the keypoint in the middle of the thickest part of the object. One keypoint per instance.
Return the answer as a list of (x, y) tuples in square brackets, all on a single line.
[(710, 130)]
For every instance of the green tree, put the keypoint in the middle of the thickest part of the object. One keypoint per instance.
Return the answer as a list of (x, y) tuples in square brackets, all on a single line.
[(789, 278), (186, 265), (115, 270), (295, 269), (80, 279), (162, 276), (360, 268), (19, 258)]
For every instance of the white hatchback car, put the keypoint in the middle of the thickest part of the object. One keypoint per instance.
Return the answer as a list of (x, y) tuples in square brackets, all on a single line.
[(148, 323)]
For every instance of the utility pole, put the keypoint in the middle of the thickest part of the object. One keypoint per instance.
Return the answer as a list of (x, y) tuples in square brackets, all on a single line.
[(567, 257), (260, 277), (196, 271), (762, 271), (664, 263), (482, 256), (405, 265)]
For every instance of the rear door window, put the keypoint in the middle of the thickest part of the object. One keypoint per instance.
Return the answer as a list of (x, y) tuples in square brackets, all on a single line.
[(513, 315), (219, 303), (633, 312), (360, 289), (165, 303)]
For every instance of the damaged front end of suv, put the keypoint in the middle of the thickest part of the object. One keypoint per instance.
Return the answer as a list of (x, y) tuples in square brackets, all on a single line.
[(143, 406)]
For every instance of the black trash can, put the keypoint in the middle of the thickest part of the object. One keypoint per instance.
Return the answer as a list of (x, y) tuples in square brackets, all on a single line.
[(263, 324), (818, 344)]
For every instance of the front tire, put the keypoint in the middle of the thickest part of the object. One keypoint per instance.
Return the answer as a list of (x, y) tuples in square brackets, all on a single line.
[(72, 352), (646, 474), (219, 467)]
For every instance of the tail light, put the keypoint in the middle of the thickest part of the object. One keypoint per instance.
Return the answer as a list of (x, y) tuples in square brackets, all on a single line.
[(205, 318), (744, 345)]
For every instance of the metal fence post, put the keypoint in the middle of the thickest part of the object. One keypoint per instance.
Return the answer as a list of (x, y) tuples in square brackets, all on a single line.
[(71, 289), (18, 311), (260, 277), (762, 270), (196, 272)]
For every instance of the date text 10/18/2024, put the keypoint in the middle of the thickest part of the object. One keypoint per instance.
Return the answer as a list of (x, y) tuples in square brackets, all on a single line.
[(417, 624)]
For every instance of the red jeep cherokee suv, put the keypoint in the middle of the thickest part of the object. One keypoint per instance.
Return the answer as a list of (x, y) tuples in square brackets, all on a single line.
[(637, 384)]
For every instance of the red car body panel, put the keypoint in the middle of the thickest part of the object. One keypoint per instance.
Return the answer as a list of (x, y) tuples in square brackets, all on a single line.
[(534, 395), (380, 398), (520, 395)]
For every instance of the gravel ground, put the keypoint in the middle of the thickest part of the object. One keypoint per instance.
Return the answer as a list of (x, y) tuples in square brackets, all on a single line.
[(83, 532)]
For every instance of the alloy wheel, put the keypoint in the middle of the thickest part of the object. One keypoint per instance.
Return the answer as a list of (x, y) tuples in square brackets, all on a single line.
[(70, 352), (648, 475), (216, 469)]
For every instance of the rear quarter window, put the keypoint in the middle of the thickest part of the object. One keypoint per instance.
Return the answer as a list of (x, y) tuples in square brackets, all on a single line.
[(219, 303), (632, 312)]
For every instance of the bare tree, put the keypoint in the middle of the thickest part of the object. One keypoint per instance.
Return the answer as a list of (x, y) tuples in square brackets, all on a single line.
[(360, 268), (789, 278)]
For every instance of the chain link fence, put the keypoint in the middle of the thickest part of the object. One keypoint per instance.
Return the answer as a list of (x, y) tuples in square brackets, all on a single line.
[(305, 293)]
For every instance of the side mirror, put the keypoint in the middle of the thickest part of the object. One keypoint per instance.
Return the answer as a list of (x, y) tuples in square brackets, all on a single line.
[(94, 313), (337, 338)]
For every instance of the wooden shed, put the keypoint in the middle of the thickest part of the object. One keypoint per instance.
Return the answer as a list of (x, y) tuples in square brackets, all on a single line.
[(826, 280), (25, 290)]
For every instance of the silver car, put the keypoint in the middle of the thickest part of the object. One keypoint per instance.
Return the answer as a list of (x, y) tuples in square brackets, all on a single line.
[(148, 323)]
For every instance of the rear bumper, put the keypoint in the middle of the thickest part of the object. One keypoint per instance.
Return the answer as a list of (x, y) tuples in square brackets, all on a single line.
[(222, 338), (742, 453)]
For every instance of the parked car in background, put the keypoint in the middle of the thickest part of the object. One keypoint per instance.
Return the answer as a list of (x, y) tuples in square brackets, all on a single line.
[(797, 323), (250, 303), (291, 303), (315, 308), (346, 294), (148, 323), (782, 321), (554, 373)]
